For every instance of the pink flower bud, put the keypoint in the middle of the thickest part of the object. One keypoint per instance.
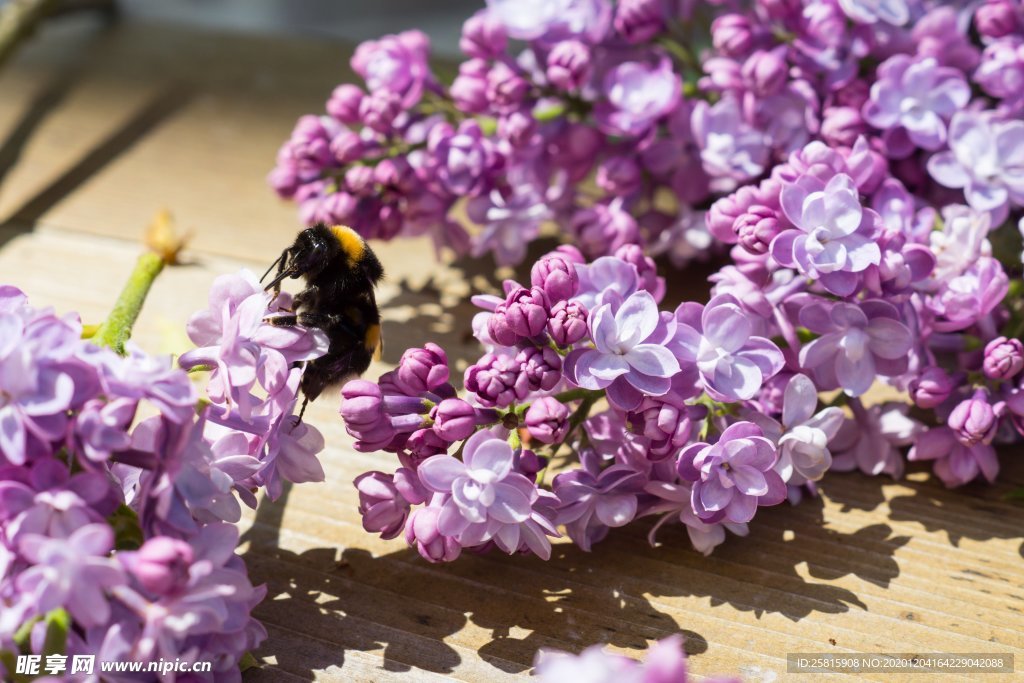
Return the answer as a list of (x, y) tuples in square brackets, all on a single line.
[(547, 420)]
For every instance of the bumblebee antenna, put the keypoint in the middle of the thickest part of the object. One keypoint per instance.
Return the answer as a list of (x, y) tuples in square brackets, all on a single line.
[(276, 261)]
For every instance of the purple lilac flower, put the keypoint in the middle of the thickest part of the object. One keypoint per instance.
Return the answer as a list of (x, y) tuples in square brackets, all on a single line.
[(733, 476), (636, 95), (606, 279), (895, 12), (38, 380), (594, 500), (970, 297), (912, 101), (211, 601), (397, 63), (955, 463), (673, 502), (803, 434), (665, 663), (46, 500), (871, 441), (857, 343), (629, 359), (488, 500), (463, 159), (834, 239), (1001, 72), (986, 159), (958, 245), (720, 338), (511, 219), (233, 338), (730, 149), (71, 572)]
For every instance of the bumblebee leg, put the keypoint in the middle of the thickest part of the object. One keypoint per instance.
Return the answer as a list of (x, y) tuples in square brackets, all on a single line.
[(289, 320), (304, 298), (325, 321)]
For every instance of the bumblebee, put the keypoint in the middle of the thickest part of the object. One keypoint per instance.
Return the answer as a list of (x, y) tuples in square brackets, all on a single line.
[(340, 271)]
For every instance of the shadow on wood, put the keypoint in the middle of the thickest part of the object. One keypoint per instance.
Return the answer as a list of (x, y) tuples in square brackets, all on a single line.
[(348, 600)]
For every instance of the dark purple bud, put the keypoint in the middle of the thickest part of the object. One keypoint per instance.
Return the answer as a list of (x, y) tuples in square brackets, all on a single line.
[(506, 89), (421, 531), (347, 147), (383, 508), (931, 388), (732, 35), (998, 18), (757, 228), (497, 380), (1004, 358), (724, 212), (639, 20), (529, 463), (344, 103), (526, 311), (483, 36), (363, 404), (766, 72), (568, 323), (422, 370), (519, 128), (974, 421), (469, 90), (547, 420), (542, 367), (379, 109), (619, 175), (161, 565), (424, 443), (454, 419), (841, 126), (499, 329), (395, 173), (569, 65), (556, 276), (359, 180), (602, 228), (854, 94)]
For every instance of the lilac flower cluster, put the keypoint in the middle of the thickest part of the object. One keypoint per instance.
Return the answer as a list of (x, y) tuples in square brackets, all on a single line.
[(119, 486), (703, 413), (665, 663), (620, 122)]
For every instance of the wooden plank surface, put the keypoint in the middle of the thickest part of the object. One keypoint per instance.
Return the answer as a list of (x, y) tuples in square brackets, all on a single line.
[(110, 125)]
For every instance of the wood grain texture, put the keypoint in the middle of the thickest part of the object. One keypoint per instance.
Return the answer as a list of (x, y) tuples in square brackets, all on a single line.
[(873, 565)]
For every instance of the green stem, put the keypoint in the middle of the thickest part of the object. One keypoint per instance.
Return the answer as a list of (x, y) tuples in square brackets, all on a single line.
[(578, 395), (18, 20), (116, 330)]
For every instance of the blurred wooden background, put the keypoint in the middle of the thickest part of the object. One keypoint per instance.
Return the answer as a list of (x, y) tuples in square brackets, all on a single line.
[(101, 126)]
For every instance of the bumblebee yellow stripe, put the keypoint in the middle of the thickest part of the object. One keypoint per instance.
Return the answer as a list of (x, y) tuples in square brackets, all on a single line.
[(351, 243)]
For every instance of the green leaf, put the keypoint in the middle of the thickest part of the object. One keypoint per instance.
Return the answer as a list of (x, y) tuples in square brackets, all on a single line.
[(248, 662), (127, 531), (58, 623)]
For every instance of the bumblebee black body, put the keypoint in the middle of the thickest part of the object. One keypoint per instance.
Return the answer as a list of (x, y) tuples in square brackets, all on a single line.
[(340, 271)]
